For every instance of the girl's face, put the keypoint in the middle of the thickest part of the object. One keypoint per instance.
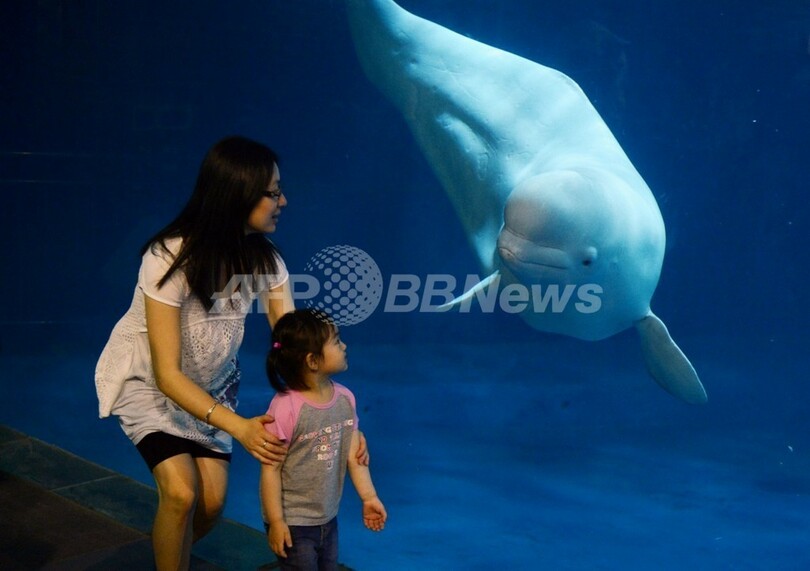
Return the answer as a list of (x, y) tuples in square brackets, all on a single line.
[(264, 216), (333, 359)]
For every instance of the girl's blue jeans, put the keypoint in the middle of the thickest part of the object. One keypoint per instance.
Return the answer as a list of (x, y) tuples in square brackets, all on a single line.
[(315, 548)]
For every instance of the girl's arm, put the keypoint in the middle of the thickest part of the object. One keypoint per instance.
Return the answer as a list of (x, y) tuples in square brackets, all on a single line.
[(163, 329), (278, 534), (374, 514)]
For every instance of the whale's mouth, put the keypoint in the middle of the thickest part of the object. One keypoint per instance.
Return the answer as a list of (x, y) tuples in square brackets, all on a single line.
[(545, 259), (525, 256)]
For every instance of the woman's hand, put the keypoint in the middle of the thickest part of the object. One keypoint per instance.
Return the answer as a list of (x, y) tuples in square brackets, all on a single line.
[(260, 443)]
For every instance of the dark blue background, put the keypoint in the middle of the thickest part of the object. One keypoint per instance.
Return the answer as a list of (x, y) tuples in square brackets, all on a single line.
[(106, 109)]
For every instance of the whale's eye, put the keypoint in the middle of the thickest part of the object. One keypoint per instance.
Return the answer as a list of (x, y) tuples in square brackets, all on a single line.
[(589, 256)]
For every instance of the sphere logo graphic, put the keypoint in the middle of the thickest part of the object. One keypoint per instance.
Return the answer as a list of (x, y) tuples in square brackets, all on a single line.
[(351, 284)]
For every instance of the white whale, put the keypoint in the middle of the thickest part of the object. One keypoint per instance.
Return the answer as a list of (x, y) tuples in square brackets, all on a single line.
[(545, 193)]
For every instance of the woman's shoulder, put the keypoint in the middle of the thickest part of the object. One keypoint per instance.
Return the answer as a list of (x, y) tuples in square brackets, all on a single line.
[(166, 249), (279, 276), (157, 260)]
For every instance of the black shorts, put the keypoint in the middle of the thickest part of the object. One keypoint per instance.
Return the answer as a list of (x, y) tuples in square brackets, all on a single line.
[(156, 447)]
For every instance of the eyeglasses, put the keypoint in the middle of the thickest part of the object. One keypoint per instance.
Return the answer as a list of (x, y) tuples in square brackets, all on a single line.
[(273, 194)]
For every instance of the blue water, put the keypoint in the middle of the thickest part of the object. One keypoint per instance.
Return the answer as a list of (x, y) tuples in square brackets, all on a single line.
[(493, 445)]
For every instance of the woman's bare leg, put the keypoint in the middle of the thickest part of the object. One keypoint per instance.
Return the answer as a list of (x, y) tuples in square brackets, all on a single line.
[(212, 484), (177, 483)]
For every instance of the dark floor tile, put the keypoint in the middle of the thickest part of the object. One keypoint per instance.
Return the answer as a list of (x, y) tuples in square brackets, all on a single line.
[(198, 564), (46, 465), (60, 512), (133, 556), (9, 434), (235, 546), (136, 555), (123, 499), (39, 527)]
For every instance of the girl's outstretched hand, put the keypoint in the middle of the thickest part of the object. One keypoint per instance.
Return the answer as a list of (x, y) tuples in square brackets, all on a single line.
[(261, 444), (374, 515)]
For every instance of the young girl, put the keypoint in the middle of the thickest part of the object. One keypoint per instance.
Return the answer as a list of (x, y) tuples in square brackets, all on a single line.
[(317, 417)]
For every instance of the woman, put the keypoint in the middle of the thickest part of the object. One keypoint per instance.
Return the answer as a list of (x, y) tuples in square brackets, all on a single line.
[(170, 370)]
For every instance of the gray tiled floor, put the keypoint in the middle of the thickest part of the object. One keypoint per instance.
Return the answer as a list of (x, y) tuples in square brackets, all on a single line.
[(58, 511)]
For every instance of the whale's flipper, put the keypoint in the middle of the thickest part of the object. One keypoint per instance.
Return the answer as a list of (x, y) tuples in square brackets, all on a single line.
[(479, 291), (667, 364)]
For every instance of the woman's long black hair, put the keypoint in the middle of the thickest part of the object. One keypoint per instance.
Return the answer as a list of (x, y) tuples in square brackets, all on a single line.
[(233, 175)]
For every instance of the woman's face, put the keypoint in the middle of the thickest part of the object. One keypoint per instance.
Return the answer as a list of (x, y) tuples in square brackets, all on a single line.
[(264, 216)]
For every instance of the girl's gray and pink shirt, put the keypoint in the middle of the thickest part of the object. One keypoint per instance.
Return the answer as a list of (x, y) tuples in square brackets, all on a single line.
[(319, 438)]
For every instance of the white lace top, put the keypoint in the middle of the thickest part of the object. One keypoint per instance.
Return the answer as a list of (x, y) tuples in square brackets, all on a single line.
[(125, 381)]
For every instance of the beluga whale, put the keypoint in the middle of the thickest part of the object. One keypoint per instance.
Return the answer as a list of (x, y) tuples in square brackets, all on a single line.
[(546, 195)]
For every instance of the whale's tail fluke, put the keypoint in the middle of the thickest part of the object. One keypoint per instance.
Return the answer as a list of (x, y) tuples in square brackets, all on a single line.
[(666, 362)]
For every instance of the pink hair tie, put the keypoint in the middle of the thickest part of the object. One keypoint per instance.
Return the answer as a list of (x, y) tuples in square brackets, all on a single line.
[(276, 345)]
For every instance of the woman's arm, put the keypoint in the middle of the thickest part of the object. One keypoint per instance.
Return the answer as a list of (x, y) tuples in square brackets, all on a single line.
[(163, 329), (278, 301)]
